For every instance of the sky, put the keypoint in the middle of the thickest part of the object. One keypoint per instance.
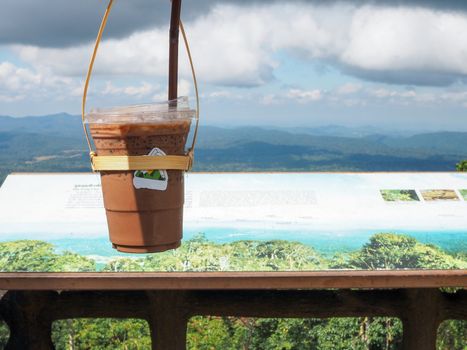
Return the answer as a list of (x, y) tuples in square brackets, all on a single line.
[(398, 65)]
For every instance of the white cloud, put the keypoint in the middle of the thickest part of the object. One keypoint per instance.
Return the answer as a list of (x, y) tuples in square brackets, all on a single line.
[(224, 55), (142, 53), (304, 96), (384, 93), (184, 87), (9, 99), (243, 45), (358, 95), (40, 84), (230, 95), (352, 102), (16, 79), (292, 95), (401, 38), (19, 83), (270, 99), (348, 89), (454, 96), (220, 94), (143, 90), (235, 45)]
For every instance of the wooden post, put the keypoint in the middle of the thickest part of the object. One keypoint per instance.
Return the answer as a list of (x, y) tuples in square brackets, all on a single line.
[(173, 49), (168, 320), (30, 327), (421, 319)]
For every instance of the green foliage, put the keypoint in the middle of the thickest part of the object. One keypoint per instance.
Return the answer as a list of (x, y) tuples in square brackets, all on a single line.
[(392, 251), (461, 166), (359, 333), (123, 264), (399, 195), (101, 334), (4, 334), (201, 255), (298, 334), (383, 251), (452, 335), (211, 333), (39, 256)]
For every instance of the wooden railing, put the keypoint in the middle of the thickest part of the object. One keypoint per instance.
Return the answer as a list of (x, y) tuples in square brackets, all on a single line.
[(168, 300)]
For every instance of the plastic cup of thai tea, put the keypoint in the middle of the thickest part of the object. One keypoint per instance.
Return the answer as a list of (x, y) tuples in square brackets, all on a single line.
[(144, 208)]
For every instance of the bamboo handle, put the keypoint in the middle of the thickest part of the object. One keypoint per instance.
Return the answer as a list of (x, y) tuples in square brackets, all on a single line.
[(107, 163)]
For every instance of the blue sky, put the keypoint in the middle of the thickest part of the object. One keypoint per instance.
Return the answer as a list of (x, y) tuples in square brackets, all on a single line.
[(394, 65)]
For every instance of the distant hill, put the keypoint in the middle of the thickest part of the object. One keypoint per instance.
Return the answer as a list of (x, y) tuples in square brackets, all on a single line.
[(59, 124), (48, 143), (56, 143), (344, 131), (439, 142)]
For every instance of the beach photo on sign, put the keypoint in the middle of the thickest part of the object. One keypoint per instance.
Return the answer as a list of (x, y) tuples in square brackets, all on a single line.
[(399, 195), (439, 195)]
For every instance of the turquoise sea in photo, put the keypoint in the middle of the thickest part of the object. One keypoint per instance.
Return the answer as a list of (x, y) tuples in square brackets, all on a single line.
[(327, 244)]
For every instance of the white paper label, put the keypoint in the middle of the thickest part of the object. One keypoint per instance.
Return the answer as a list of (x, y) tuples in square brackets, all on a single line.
[(151, 179)]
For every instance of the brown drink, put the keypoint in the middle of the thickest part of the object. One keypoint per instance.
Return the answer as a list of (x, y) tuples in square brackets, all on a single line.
[(142, 220)]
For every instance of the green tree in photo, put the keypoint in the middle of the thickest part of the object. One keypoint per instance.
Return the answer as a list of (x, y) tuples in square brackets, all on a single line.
[(462, 165), (199, 254), (39, 256), (122, 265), (399, 195), (393, 251)]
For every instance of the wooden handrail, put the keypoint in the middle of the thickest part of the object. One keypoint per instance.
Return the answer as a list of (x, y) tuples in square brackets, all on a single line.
[(233, 280)]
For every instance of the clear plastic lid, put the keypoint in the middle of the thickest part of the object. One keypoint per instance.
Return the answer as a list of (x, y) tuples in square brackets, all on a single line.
[(148, 113)]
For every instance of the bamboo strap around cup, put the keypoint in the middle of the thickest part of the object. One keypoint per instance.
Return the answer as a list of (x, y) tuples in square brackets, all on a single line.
[(116, 163), (122, 163)]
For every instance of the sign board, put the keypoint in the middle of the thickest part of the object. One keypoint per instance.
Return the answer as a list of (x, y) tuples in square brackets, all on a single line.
[(258, 221)]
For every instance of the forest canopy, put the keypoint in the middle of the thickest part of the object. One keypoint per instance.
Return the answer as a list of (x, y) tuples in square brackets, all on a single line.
[(382, 251)]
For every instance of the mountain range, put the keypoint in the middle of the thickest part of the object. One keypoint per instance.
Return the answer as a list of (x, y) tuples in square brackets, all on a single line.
[(56, 143)]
